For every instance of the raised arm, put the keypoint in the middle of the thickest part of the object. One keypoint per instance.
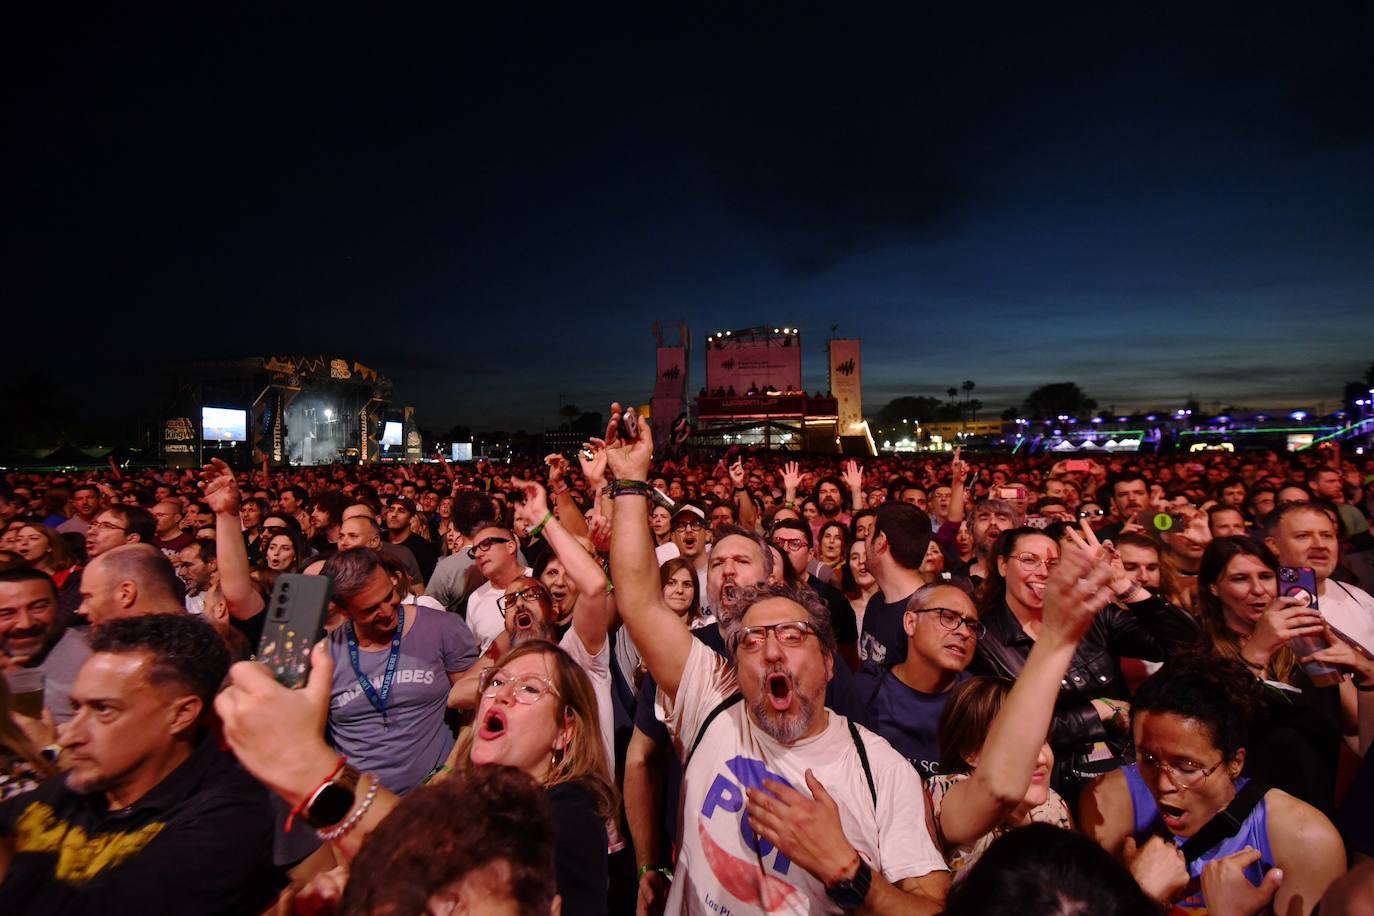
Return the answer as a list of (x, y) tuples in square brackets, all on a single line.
[(791, 479), (957, 495), (235, 575), (568, 512), (853, 478), (593, 614), (660, 635), (1074, 594), (744, 504)]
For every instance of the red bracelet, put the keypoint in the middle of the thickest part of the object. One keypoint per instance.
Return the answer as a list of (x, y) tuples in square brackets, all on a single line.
[(290, 818), (853, 863)]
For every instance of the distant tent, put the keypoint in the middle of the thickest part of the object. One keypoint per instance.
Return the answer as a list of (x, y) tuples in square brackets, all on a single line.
[(68, 456)]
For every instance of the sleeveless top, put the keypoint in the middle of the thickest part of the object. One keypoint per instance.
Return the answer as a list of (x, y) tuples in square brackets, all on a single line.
[(1253, 832)]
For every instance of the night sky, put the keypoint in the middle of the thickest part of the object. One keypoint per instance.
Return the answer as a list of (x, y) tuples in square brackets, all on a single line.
[(493, 206)]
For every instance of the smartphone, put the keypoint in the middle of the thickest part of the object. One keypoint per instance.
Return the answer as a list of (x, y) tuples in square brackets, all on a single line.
[(629, 425), (1078, 464), (1301, 582), (1012, 493), (295, 622), (1164, 521), (1038, 521)]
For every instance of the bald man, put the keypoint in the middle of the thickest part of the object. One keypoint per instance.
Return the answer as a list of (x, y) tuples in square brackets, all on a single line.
[(130, 581), (362, 531), (169, 538)]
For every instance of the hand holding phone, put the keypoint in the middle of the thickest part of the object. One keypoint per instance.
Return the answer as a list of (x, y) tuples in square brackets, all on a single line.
[(295, 622)]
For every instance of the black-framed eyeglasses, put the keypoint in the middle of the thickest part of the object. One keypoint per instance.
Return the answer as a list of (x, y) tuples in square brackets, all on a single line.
[(789, 633), (106, 526), (951, 619), (692, 525), (526, 689), (484, 545), (533, 593), (1185, 775)]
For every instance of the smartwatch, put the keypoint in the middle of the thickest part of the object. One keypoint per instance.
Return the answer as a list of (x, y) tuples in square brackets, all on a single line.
[(332, 801), (849, 893)]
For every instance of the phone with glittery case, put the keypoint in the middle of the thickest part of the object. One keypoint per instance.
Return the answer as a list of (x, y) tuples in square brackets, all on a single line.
[(295, 622)]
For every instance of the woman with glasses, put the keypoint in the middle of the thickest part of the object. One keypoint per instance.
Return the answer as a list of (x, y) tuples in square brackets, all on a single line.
[(537, 713), (1191, 722), (1090, 730)]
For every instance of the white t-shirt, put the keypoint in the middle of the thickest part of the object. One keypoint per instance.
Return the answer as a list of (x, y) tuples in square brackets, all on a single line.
[(1350, 610), (718, 868), (484, 617), (598, 669)]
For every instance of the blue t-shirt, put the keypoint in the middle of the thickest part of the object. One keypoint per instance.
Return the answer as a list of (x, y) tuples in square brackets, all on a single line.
[(417, 739), (907, 718), (883, 640)]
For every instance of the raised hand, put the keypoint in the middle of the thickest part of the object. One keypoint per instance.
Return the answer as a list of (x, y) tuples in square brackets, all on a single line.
[(221, 488), (737, 475), (535, 508), (628, 460), (853, 475), (791, 479), (1077, 589), (959, 469), (558, 468), (593, 468)]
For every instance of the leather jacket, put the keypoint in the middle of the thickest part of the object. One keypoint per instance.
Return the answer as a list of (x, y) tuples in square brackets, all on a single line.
[(1149, 629)]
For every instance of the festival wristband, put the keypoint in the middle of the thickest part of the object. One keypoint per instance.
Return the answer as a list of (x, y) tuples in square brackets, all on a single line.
[(534, 532), (661, 869)]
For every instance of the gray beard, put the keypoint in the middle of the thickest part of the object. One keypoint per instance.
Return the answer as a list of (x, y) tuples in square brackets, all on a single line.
[(785, 728)]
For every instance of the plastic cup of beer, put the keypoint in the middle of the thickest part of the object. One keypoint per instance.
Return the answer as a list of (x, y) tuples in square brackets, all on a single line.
[(26, 692)]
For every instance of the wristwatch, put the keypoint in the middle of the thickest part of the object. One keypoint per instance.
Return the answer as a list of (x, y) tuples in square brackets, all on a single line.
[(332, 800), (849, 893)]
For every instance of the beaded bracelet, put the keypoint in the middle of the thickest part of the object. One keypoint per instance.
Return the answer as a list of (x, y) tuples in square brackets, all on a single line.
[(357, 815)]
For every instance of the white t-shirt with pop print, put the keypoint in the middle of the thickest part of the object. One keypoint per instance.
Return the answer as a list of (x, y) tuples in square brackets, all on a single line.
[(722, 867)]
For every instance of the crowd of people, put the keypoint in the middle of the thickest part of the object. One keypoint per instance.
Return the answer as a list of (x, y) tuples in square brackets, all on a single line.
[(608, 682)]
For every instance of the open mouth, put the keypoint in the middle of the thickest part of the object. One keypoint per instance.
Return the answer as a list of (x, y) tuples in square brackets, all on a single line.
[(524, 620), (957, 649), (493, 725), (1037, 589), (780, 690), (1172, 815)]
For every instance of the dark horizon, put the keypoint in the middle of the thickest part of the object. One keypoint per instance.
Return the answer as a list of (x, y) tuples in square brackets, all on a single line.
[(491, 207)]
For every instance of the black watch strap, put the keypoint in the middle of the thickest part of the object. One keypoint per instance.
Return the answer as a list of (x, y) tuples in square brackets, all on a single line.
[(332, 801), (850, 893)]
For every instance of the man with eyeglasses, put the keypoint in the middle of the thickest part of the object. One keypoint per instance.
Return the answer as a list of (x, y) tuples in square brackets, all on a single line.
[(494, 551), (394, 666), (690, 537), (114, 527), (169, 538), (787, 806), (906, 700)]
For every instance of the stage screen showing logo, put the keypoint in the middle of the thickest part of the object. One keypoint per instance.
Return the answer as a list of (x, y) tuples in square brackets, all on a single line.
[(223, 424), (391, 434)]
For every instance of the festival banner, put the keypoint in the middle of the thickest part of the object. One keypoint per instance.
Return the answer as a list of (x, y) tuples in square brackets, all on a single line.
[(756, 364), (846, 384)]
